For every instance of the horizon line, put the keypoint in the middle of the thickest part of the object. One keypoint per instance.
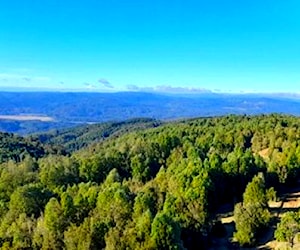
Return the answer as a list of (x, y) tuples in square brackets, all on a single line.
[(185, 91)]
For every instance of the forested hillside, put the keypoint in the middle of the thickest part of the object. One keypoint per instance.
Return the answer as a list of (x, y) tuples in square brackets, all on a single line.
[(155, 188), (72, 139), (16, 148)]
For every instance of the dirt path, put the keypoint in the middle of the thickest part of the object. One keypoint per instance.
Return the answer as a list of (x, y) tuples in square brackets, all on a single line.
[(289, 201)]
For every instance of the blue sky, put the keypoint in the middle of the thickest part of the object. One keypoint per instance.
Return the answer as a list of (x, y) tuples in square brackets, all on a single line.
[(114, 45)]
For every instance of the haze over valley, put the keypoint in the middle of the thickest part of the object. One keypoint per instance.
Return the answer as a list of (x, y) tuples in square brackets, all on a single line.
[(28, 112)]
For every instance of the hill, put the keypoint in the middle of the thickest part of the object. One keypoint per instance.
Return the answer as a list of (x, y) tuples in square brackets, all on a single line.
[(30, 112), (72, 139), (16, 148), (158, 188)]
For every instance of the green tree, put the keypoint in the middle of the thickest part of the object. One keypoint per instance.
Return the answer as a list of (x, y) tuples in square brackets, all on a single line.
[(67, 205), (50, 228), (78, 237), (255, 192), (252, 215), (21, 232), (58, 171), (30, 199), (288, 227), (165, 232)]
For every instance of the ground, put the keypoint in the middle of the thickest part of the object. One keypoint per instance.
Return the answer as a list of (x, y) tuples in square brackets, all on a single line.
[(288, 201)]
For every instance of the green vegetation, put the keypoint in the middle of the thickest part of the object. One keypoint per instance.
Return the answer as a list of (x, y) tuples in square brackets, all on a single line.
[(16, 148), (252, 215), (288, 227), (150, 188), (73, 139), (69, 109)]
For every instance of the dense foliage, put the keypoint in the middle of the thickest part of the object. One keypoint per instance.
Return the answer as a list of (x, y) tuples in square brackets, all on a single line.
[(288, 227), (252, 215), (13, 147), (157, 188), (73, 139)]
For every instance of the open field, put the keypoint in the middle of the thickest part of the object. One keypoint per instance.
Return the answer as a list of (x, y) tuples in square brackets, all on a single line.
[(25, 117)]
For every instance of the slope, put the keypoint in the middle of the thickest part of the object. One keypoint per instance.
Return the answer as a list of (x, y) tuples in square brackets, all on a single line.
[(72, 139)]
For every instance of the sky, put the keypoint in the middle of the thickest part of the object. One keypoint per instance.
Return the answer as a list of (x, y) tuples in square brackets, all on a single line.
[(141, 45)]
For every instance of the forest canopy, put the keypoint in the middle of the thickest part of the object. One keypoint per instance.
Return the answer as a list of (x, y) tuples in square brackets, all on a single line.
[(156, 187)]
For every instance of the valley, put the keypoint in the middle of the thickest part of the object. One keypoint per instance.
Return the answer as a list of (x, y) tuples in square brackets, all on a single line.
[(26, 117), (57, 110)]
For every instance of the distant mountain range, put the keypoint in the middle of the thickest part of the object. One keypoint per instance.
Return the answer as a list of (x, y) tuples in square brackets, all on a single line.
[(29, 112)]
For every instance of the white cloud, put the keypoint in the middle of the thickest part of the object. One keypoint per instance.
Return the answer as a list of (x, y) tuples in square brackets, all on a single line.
[(105, 83), (24, 80), (168, 89), (89, 86)]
